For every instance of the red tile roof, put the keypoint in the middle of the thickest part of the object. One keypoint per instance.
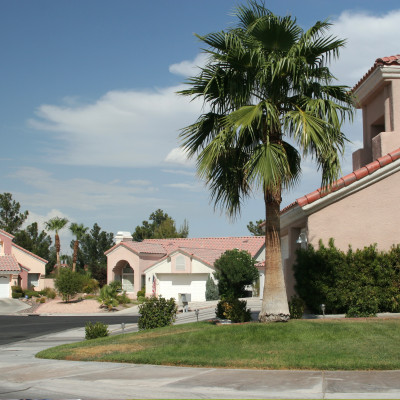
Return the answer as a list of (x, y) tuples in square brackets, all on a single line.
[(346, 180), (8, 263), (7, 234), (379, 62)]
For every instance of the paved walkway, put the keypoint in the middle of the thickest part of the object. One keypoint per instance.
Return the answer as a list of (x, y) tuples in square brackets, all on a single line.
[(24, 376)]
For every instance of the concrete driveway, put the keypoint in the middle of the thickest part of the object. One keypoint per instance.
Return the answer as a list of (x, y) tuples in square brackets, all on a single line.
[(11, 306)]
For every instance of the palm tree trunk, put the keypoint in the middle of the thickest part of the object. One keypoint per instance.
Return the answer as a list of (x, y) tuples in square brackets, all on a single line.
[(76, 246), (274, 304), (58, 247)]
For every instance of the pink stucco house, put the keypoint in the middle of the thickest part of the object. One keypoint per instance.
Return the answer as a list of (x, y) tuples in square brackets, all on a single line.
[(169, 267), (18, 266), (363, 207)]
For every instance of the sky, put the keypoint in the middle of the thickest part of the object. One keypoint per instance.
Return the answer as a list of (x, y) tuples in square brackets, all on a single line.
[(90, 117)]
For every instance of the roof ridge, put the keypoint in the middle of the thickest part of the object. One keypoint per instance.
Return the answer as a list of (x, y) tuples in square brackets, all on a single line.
[(347, 180)]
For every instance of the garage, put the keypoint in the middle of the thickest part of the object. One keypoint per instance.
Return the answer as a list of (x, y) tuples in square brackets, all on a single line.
[(4, 286), (170, 285)]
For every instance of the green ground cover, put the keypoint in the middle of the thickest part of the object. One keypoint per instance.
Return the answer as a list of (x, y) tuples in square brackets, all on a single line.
[(300, 344)]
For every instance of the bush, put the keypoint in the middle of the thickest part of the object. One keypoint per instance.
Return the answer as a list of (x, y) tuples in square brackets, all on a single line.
[(90, 286), (31, 293), (68, 283), (108, 296), (116, 286), (49, 293), (234, 270), (17, 289), (16, 295), (123, 298), (96, 330), (359, 283), (233, 309), (141, 293), (211, 289), (296, 307), (156, 312)]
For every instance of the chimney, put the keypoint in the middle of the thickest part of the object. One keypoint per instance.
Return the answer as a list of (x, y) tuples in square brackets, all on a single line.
[(122, 237)]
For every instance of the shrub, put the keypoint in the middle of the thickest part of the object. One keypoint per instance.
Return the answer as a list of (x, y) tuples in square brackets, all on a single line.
[(49, 293), (42, 300), (142, 292), (16, 295), (116, 286), (108, 297), (361, 282), (156, 312), (296, 307), (90, 286), (68, 283), (234, 270), (17, 289), (211, 289), (96, 330), (31, 293), (123, 298), (233, 309)]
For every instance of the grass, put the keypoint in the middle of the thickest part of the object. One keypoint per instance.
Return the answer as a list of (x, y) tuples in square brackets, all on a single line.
[(299, 344)]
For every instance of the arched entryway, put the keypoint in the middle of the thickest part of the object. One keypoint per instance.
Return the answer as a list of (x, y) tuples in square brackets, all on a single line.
[(124, 273)]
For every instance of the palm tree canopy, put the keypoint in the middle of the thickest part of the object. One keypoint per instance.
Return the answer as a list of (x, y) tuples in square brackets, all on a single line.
[(55, 224), (79, 230), (266, 89)]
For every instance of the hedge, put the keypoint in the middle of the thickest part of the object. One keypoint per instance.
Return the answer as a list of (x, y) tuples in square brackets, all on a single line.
[(359, 283)]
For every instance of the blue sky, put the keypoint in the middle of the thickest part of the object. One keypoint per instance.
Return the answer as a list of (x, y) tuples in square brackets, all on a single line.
[(89, 115)]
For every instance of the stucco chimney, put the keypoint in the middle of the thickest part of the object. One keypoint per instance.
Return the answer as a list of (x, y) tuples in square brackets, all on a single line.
[(122, 236)]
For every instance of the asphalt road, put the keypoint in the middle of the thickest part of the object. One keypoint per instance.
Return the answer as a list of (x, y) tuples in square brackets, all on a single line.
[(16, 328)]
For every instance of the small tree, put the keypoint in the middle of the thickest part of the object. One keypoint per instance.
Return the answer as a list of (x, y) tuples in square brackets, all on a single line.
[(234, 270), (68, 283), (11, 219), (211, 289)]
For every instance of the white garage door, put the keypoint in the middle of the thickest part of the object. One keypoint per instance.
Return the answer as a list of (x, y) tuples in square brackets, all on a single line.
[(172, 284), (4, 287)]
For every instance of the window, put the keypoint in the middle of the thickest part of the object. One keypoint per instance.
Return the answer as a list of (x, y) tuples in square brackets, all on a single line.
[(180, 264)]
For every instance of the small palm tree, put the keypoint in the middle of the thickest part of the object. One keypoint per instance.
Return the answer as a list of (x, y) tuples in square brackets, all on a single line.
[(79, 230), (56, 224), (266, 89)]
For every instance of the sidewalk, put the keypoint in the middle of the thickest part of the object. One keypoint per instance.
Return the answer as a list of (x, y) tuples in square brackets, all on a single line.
[(24, 376)]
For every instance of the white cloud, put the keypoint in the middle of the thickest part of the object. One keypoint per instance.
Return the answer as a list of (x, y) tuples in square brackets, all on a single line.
[(189, 67), (79, 193), (139, 182), (179, 156), (179, 172), (368, 37), (121, 129), (193, 187)]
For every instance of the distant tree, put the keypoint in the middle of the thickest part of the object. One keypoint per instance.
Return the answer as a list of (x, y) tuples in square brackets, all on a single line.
[(56, 224), (34, 241), (255, 229), (211, 289), (91, 251), (11, 219), (161, 226), (79, 230), (234, 270)]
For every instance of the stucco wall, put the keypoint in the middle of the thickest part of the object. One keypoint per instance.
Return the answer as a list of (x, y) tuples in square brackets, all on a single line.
[(363, 218), (35, 266)]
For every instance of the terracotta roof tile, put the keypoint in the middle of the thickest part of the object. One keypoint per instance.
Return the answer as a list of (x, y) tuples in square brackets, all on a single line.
[(391, 60), (7, 234), (348, 179), (9, 263)]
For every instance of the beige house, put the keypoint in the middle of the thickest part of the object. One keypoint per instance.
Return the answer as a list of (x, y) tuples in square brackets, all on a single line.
[(363, 207), (19, 266), (170, 267)]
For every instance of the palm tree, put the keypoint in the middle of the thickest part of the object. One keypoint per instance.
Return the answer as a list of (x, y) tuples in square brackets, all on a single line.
[(79, 230), (266, 88), (56, 224)]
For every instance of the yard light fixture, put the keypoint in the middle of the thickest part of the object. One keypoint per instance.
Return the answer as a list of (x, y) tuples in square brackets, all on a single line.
[(323, 309), (302, 238), (197, 314)]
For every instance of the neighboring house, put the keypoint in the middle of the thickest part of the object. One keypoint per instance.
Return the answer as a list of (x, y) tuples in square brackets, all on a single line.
[(18, 266), (169, 267), (363, 207)]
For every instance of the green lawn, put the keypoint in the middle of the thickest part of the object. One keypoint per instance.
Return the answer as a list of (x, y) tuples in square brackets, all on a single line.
[(299, 344)]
